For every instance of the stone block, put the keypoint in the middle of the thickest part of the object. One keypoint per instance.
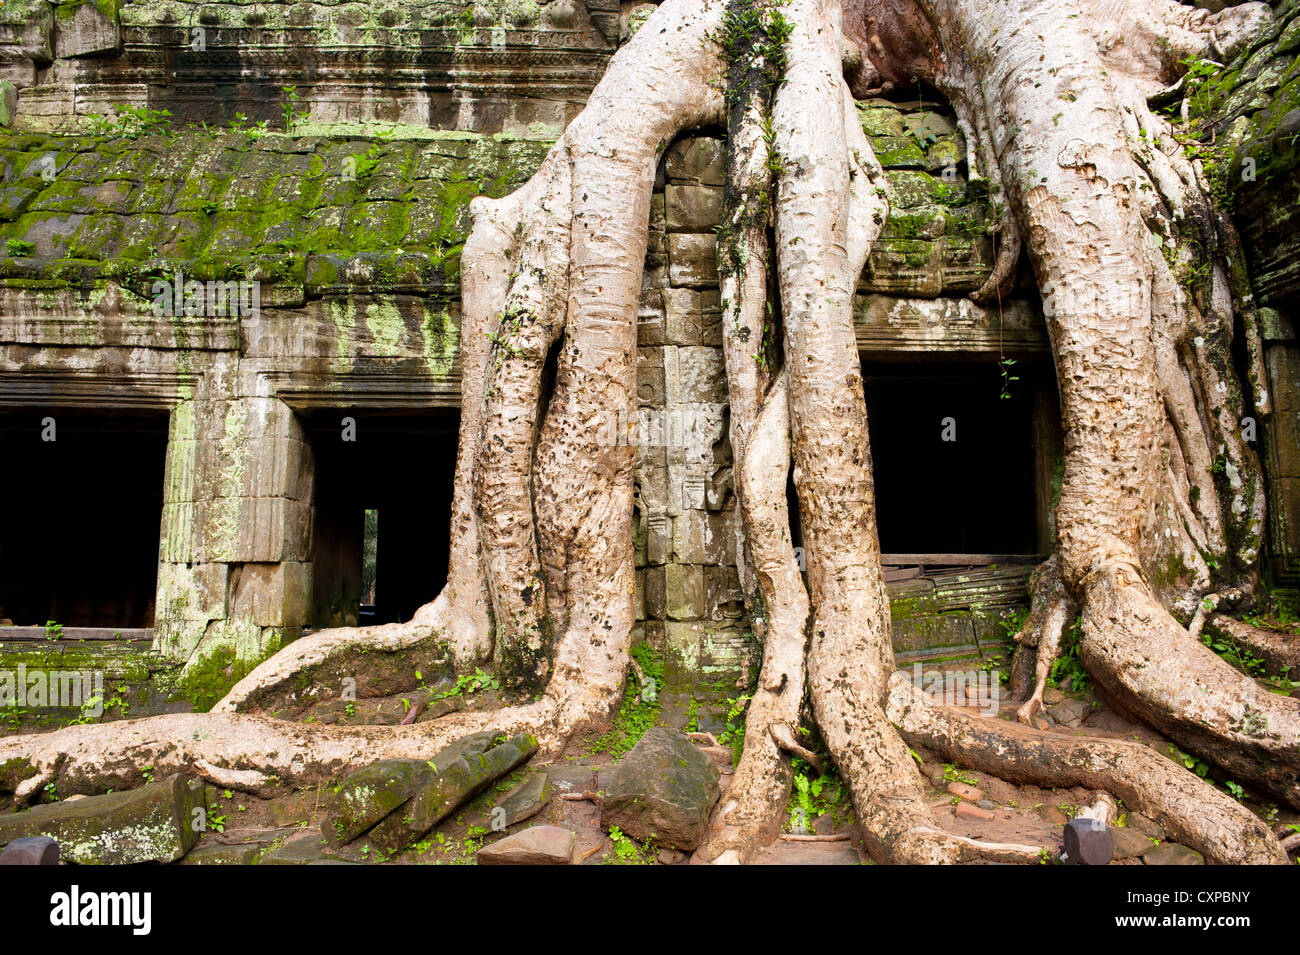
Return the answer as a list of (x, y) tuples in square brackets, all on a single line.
[(690, 533), (652, 486), (723, 598), (662, 790), (655, 593), (1284, 437), (692, 259), (272, 530), (701, 375), (272, 595), (31, 850), (692, 208), (638, 595), (710, 318), (684, 592), (89, 31), (650, 377), (701, 159), (536, 845), (683, 318), (658, 539), (650, 317), (155, 823)]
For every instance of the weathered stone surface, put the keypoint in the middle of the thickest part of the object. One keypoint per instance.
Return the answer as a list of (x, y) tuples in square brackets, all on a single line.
[(662, 790), (31, 850), (537, 845), (218, 853), (1129, 843), (371, 793), (692, 208), (308, 849), (1171, 853), (1069, 712), (969, 793), (701, 159), (1146, 825), (525, 800), (460, 775), (154, 823), (808, 853), (692, 259), (965, 810)]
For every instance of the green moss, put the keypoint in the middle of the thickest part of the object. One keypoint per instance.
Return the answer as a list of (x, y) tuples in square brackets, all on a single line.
[(640, 708), (204, 683)]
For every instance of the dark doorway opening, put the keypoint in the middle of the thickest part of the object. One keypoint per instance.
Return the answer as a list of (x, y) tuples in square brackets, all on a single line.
[(382, 511), (952, 445), (82, 514)]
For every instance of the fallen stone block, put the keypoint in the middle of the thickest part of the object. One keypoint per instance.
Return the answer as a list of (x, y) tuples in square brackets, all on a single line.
[(458, 778), (370, 794), (662, 790), (1088, 842), (154, 823), (537, 845), (524, 801), (31, 850)]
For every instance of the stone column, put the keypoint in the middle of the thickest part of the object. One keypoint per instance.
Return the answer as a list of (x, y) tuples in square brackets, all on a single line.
[(689, 593), (235, 558)]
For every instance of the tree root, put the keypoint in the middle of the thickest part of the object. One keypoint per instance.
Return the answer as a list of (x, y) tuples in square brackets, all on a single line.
[(1279, 651), (1194, 812)]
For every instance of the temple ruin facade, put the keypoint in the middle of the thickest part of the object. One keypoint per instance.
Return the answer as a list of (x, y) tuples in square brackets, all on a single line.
[(229, 332)]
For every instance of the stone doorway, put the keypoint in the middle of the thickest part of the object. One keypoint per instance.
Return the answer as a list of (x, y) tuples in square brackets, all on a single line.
[(389, 472), (79, 539), (956, 458)]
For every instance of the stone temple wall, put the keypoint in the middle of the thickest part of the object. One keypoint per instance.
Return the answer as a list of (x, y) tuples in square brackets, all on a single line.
[(350, 232), (351, 236)]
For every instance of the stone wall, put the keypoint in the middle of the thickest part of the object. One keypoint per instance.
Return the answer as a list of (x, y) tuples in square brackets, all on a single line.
[(486, 67), (352, 241), (353, 245)]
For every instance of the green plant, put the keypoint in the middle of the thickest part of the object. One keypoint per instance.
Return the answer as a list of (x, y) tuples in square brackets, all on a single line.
[(132, 122), (815, 795), (1069, 665), (19, 248), (53, 630), (289, 109), (639, 709), (1005, 365), (951, 774), (467, 684), (1198, 766), (627, 852)]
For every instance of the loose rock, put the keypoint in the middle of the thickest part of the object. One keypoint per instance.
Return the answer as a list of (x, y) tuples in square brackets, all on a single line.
[(662, 790), (31, 850), (1171, 853), (537, 845)]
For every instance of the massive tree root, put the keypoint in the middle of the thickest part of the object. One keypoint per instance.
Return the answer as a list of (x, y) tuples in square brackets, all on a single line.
[(541, 584)]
